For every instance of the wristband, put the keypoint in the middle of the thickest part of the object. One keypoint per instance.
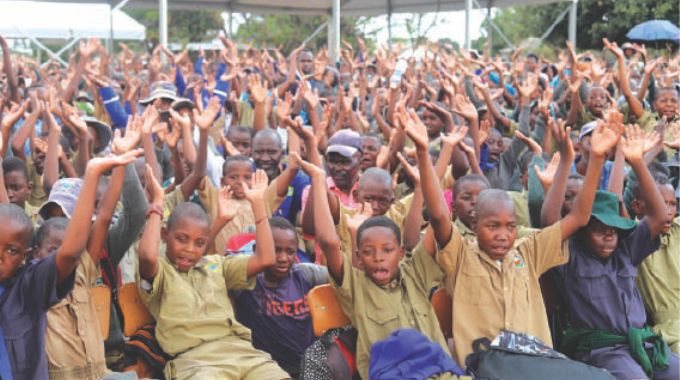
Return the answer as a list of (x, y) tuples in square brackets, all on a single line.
[(154, 208)]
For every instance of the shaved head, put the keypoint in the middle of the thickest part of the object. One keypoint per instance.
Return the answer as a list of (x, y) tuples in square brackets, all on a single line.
[(374, 176), (491, 201)]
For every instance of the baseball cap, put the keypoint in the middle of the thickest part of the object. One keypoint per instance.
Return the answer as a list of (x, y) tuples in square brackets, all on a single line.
[(345, 142), (64, 194), (626, 45), (587, 129), (182, 103), (103, 131)]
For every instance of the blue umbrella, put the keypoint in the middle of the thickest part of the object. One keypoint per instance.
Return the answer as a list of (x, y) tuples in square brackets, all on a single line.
[(655, 30)]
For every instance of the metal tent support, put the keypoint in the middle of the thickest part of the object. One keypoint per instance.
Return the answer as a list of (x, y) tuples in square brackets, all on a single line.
[(334, 32), (572, 22)]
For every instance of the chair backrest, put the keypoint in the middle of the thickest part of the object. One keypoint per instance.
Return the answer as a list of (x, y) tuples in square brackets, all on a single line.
[(101, 296), (325, 309), (443, 305), (135, 314)]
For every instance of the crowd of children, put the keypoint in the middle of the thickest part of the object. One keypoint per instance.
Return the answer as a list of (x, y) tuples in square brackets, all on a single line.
[(540, 195)]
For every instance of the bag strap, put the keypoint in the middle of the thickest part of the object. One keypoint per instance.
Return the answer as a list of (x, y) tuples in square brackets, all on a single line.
[(478, 343)]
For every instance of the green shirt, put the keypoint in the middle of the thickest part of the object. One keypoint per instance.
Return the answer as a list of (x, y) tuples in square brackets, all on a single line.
[(191, 308), (659, 284), (377, 311)]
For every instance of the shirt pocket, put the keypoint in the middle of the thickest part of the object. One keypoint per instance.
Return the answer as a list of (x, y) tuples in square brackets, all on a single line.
[(19, 340), (474, 287), (593, 284)]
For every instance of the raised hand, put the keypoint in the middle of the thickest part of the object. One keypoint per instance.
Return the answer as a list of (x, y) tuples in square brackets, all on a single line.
[(414, 128), (153, 187), (633, 144), (206, 118), (604, 137), (410, 170), (531, 143), (464, 107), (255, 192), (100, 165), (149, 120), (283, 107), (257, 90), (562, 138), (455, 136), (576, 80), (14, 114), (674, 142), (312, 99), (613, 47), (310, 169), (132, 136), (528, 87), (179, 121), (547, 174), (226, 208), (353, 222)]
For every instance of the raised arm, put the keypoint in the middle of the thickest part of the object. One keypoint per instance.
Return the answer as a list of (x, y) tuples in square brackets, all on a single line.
[(264, 248), (326, 236), (151, 237), (440, 218), (7, 65), (554, 179), (633, 147), (604, 137), (624, 84), (414, 218), (74, 242), (107, 206)]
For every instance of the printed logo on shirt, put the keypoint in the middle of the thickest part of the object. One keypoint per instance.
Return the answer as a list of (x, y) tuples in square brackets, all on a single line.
[(518, 261), (296, 308)]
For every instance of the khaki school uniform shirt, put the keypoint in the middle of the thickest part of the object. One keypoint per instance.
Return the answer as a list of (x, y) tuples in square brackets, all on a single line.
[(191, 308), (397, 213), (73, 339), (244, 221), (489, 296), (38, 195), (376, 311), (521, 201), (32, 212), (659, 284)]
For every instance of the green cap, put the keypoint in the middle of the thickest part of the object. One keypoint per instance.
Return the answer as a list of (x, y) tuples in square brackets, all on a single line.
[(606, 210)]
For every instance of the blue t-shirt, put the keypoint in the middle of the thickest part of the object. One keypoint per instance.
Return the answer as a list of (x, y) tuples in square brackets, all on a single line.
[(23, 315), (279, 317), (292, 203)]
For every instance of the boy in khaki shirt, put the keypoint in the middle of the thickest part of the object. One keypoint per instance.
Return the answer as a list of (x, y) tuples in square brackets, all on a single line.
[(388, 292), (493, 281), (186, 291), (237, 171)]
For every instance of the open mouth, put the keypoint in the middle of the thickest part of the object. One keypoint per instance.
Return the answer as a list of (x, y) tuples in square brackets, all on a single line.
[(183, 262), (381, 275)]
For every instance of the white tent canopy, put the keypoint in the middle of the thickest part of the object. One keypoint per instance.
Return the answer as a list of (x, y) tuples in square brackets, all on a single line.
[(25, 19)]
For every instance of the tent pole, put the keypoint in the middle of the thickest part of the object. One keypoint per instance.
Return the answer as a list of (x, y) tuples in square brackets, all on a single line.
[(334, 32), (489, 27), (231, 23), (110, 41), (572, 22), (389, 24), (468, 10), (163, 23)]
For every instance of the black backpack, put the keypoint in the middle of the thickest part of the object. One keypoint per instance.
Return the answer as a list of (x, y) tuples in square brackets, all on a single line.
[(495, 363)]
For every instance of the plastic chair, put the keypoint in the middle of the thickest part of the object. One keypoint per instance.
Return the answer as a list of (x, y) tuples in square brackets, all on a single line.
[(325, 309), (135, 314), (443, 308)]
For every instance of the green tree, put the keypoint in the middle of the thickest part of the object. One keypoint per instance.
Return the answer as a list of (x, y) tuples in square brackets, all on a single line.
[(596, 19), (183, 26), (288, 31)]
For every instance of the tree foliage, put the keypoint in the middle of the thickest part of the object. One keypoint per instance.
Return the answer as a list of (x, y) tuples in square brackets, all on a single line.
[(183, 26), (287, 31), (596, 19)]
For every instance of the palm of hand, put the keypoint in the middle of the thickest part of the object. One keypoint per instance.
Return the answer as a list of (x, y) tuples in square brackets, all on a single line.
[(603, 140), (227, 209)]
